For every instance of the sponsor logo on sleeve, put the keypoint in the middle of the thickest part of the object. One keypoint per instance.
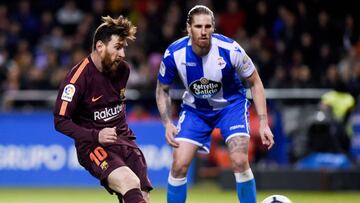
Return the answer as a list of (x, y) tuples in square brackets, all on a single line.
[(162, 69), (246, 63), (68, 93)]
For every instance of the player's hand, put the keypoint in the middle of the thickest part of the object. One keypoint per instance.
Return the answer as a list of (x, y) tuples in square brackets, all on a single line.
[(266, 135), (170, 134), (107, 136)]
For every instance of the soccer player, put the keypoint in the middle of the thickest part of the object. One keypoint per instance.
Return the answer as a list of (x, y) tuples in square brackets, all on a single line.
[(90, 108), (211, 67)]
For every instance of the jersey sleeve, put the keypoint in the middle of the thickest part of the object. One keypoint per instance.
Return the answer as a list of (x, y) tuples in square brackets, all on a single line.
[(67, 102), (241, 61), (167, 71)]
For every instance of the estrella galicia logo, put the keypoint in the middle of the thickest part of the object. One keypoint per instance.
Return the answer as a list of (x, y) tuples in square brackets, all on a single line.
[(205, 88)]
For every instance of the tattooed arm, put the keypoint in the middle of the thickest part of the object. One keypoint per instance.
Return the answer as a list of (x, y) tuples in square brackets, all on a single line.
[(163, 102), (258, 95)]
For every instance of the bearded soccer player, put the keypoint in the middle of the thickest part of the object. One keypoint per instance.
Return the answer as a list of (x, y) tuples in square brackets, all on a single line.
[(90, 108), (211, 67)]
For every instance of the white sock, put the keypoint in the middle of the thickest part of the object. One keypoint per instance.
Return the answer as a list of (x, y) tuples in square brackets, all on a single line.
[(244, 176), (176, 181)]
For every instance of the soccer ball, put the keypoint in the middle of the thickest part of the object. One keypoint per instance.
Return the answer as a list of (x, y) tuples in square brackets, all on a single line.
[(276, 199)]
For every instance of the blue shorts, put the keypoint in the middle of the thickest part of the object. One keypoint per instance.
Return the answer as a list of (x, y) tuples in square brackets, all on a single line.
[(196, 126)]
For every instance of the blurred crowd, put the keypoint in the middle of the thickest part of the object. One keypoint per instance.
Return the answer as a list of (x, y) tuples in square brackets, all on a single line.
[(295, 44)]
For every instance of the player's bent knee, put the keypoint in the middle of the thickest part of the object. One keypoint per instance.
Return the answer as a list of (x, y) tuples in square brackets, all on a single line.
[(240, 167), (179, 170), (123, 179), (240, 162)]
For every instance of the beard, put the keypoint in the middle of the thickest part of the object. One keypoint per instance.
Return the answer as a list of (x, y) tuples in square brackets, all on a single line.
[(204, 44), (109, 66)]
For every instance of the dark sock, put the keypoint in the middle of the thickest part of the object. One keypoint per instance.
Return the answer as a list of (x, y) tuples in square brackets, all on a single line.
[(134, 196)]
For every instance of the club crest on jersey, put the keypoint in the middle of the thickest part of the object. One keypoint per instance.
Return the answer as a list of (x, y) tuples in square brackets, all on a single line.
[(68, 93), (221, 62), (204, 88), (122, 94)]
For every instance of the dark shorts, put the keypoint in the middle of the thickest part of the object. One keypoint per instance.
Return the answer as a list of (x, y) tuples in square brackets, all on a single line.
[(101, 161)]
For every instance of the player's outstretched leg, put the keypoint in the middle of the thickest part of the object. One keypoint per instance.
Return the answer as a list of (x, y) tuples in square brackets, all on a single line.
[(177, 189), (246, 187)]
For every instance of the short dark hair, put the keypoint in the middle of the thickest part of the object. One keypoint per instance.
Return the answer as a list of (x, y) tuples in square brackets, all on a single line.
[(199, 9), (120, 26)]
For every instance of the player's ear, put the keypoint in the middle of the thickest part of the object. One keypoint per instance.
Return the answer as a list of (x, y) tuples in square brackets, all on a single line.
[(188, 29), (99, 45)]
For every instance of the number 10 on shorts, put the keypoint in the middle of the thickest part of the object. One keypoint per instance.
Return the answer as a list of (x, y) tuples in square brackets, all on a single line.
[(98, 155)]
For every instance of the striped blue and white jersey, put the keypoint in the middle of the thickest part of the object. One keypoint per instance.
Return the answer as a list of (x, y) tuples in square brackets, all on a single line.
[(213, 81)]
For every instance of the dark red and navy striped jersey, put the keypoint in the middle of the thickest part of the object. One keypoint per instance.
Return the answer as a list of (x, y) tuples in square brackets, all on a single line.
[(89, 101)]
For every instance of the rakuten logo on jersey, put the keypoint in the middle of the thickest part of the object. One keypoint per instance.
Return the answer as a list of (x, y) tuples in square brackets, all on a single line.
[(108, 113)]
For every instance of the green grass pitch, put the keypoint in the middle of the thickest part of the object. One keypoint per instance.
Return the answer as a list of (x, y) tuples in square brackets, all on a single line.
[(201, 193)]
